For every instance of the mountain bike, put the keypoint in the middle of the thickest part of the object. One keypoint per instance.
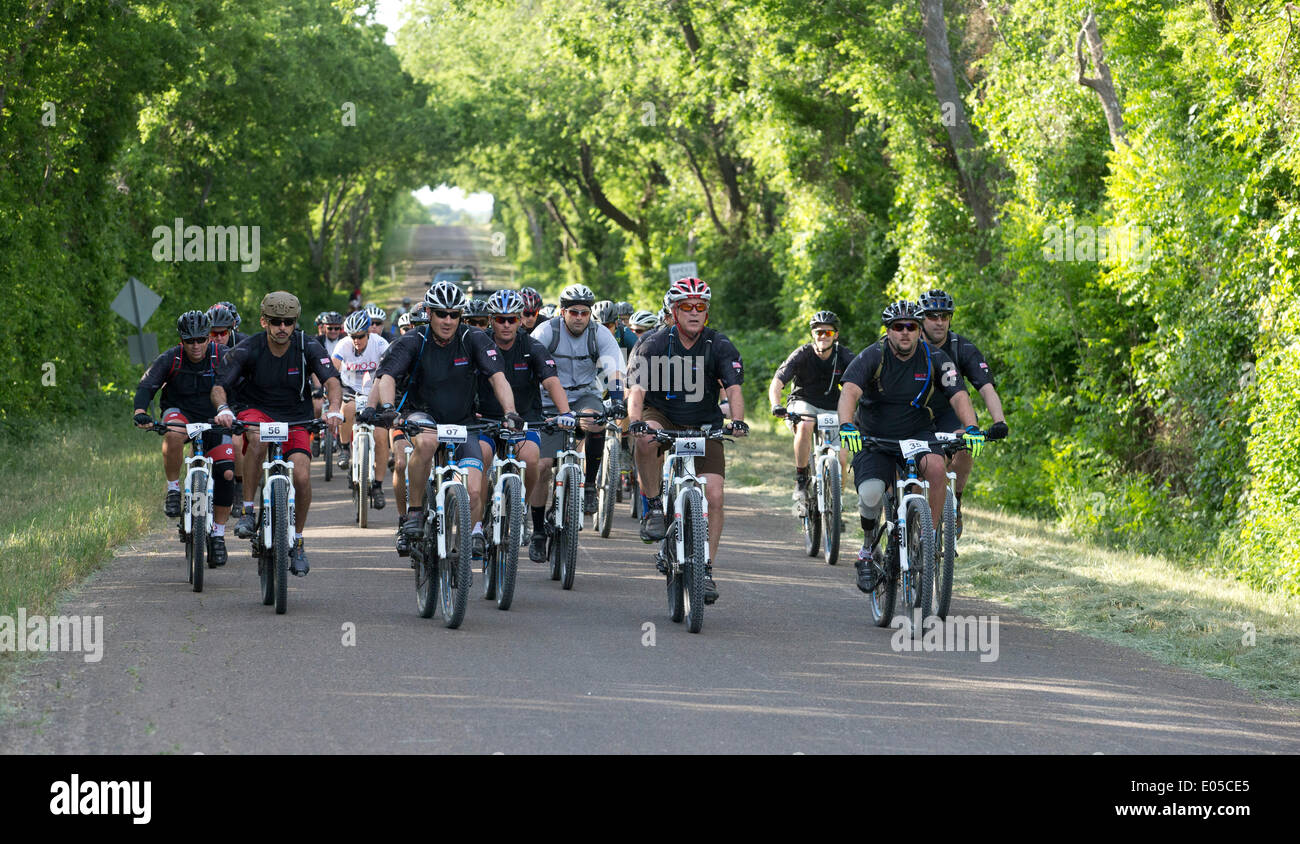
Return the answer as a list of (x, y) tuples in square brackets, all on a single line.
[(684, 551), (505, 516), (564, 502), (909, 554), (194, 525), (273, 539), (443, 556), (820, 509), (362, 467)]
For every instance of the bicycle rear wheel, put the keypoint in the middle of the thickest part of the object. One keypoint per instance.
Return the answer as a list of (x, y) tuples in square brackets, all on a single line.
[(812, 523), (198, 539), (512, 528), (454, 574), (281, 536), (947, 557), (695, 541), (831, 516), (327, 451), (425, 553), (885, 594), (568, 538), (610, 480)]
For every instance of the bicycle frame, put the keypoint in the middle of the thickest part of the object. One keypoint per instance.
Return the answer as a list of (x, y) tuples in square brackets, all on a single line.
[(568, 456), (360, 429), (679, 480), (276, 469), (198, 461), (500, 468), (825, 451)]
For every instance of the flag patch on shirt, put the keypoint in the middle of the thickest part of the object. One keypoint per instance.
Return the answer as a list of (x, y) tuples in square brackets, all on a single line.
[(492, 353), (324, 360)]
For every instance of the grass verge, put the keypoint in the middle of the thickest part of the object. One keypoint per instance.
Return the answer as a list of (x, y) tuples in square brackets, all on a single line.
[(71, 494), (1185, 618)]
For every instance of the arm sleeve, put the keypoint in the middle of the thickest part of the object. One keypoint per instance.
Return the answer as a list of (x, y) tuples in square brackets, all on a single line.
[(728, 367), (400, 357), (973, 366), (232, 366), (787, 370), (484, 352), (862, 366), (938, 360), (154, 377), (543, 363), (318, 361)]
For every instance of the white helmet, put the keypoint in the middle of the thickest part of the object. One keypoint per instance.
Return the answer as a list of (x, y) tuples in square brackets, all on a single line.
[(358, 322), (445, 296), (377, 314)]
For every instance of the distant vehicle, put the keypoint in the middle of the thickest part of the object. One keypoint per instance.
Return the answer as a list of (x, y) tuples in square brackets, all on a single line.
[(461, 275)]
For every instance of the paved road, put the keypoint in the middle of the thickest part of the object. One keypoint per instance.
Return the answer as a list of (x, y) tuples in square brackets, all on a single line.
[(787, 662)]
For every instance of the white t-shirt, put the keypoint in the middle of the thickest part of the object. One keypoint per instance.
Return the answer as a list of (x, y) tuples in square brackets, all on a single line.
[(578, 374), (357, 371)]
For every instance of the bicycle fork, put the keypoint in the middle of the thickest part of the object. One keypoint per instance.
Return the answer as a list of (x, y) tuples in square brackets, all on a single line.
[(197, 505), (285, 478), (498, 498)]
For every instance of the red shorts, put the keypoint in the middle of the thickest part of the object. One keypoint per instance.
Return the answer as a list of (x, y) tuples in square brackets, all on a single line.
[(299, 440), (212, 444)]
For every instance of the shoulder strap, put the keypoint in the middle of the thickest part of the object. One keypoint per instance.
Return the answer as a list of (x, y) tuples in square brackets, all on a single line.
[(176, 365), (593, 351), (880, 366), (419, 359), (553, 343), (836, 372)]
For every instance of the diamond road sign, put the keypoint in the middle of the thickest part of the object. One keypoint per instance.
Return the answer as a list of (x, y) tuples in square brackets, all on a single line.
[(676, 272), (136, 303), (142, 348)]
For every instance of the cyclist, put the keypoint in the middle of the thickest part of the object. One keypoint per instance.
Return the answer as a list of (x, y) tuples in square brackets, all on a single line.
[(544, 313), (378, 316), (698, 363), (476, 314), (185, 373), (624, 311), (532, 304), (405, 308), (356, 357), (403, 323), (225, 321), (333, 323), (816, 368), (968, 364), (885, 394), (440, 364), (605, 312), (642, 322), (588, 360), (273, 367), (530, 370)]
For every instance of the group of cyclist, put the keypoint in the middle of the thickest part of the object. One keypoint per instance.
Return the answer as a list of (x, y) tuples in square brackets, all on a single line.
[(454, 360)]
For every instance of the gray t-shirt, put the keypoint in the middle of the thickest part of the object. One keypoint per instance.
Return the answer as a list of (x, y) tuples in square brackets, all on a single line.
[(578, 374)]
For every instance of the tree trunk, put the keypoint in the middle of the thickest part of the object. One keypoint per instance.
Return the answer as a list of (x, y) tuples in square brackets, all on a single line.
[(1103, 85), (969, 160)]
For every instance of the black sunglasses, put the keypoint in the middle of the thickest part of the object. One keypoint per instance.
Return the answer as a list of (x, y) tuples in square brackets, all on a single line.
[(446, 314), (194, 340), (276, 321)]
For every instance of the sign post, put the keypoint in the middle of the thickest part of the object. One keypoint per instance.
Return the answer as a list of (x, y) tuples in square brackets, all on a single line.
[(135, 303)]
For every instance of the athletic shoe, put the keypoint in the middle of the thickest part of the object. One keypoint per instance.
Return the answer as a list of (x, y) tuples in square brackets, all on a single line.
[(403, 544), (377, 495), (478, 545), (710, 588), (343, 458), (537, 548), (217, 556), (653, 525), (869, 571), (315, 445), (172, 504), (246, 526), (298, 560), (589, 504), (412, 526)]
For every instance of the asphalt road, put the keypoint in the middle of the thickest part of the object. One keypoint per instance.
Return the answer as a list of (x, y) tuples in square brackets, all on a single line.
[(788, 662)]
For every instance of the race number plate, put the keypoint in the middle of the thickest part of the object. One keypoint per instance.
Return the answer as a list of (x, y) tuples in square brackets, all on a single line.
[(273, 432), (689, 447), (828, 422), (451, 433), (193, 429), (912, 448)]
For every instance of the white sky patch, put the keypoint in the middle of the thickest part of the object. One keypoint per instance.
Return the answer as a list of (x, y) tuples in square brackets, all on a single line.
[(477, 204), (386, 13)]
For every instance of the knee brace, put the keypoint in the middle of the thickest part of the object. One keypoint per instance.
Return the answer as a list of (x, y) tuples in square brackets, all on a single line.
[(870, 493)]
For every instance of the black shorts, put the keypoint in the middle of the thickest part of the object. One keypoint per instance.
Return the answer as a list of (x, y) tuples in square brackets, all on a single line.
[(872, 463)]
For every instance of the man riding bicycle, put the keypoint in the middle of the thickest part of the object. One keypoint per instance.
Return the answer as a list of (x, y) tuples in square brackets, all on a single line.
[(816, 369), (440, 364), (588, 360), (886, 394), (185, 373), (532, 304), (968, 364), (356, 357), (674, 379), (272, 370), (530, 370)]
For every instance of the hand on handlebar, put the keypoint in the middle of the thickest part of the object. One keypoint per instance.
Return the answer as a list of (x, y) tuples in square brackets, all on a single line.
[(639, 428), (997, 431), (225, 418), (567, 421), (143, 420), (514, 422), (974, 439), (851, 437), (738, 428), (779, 411)]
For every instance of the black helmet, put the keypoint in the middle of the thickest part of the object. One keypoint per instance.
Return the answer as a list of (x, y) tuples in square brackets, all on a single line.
[(824, 318), (333, 318), (475, 308), (577, 294), (192, 325), (233, 310), (901, 309), (623, 309), (939, 301), (222, 317), (320, 318), (532, 299)]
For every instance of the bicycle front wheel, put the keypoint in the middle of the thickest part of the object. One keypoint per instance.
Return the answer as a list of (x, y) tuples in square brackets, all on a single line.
[(831, 512), (327, 451), (454, 574), (695, 541), (918, 580), (568, 538), (512, 528), (198, 531), (426, 561), (943, 571), (363, 481), (281, 536), (812, 523), (886, 591), (610, 480)]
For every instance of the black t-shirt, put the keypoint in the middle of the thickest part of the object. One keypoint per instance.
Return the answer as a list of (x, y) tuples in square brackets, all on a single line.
[(966, 363), (444, 384), (897, 408), (816, 381), (280, 386), (185, 385), (677, 380), (526, 365)]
